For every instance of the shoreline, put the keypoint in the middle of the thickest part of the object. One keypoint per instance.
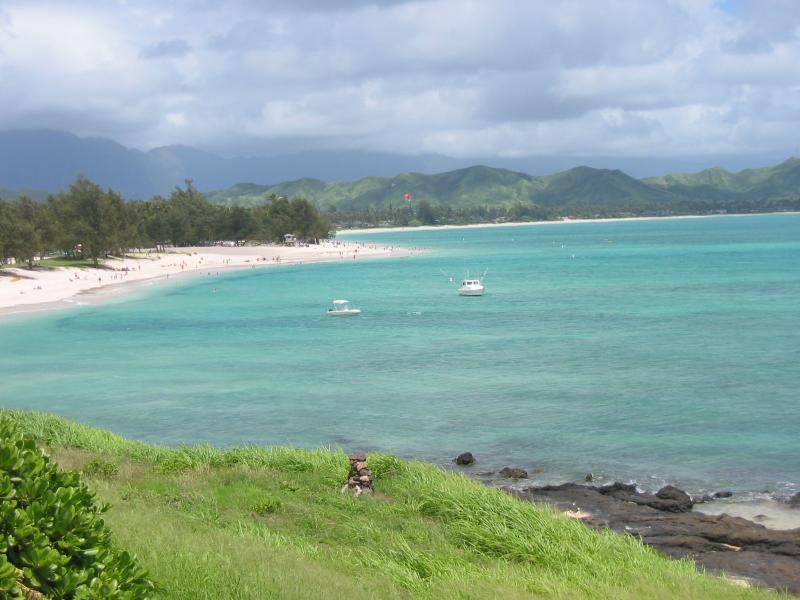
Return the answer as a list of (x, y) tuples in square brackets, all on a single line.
[(772, 510), (368, 230), (43, 289), (717, 540), (727, 545), (753, 541)]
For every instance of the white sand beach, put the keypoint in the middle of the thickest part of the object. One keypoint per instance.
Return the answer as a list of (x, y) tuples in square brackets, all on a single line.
[(23, 290)]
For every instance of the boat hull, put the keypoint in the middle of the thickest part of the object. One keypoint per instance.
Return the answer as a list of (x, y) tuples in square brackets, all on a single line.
[(470, 292), (351, 312)]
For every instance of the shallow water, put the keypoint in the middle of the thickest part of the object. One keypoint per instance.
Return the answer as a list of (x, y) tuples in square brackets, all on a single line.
[(763, 510), (661, 351)]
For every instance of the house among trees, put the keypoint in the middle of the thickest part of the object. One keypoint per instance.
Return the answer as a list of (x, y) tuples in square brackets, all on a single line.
[(289, 239)]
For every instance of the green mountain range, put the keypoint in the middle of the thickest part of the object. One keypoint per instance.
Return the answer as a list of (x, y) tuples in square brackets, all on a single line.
[(581, 190)]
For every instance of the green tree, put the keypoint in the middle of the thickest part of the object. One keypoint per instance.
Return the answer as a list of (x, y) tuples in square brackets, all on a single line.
[(154, 216), (425, 213), (307, 222), (6, 232), (95, 219), (240, 224), (276, 219), (25, 240), (190, 216)]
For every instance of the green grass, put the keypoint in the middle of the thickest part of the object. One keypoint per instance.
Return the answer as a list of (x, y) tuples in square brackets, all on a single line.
[(271, 523), (76, 263)]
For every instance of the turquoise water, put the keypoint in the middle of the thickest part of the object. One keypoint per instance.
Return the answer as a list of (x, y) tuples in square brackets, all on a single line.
[(649, 350)]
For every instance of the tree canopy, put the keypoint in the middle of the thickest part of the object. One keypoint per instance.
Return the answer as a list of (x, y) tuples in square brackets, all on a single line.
[(93, 223)]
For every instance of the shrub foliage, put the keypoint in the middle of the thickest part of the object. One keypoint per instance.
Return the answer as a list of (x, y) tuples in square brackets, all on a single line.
[(102, 469), (52, 536)]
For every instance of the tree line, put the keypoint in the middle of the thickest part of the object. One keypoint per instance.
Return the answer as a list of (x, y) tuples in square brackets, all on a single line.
[(89, 222), (424, 212), (428, 213)]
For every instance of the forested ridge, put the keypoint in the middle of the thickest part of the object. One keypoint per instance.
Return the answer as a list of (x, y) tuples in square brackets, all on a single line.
[(484, 194)]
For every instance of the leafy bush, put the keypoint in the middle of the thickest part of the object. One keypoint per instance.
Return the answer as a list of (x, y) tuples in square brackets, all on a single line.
[(52, 537), (101, 469), (267, 505)]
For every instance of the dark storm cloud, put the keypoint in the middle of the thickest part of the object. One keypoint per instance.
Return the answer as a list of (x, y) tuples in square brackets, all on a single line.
[(452, 76)]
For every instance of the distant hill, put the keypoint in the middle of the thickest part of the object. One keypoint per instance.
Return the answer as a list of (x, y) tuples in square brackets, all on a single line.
[(584, 186), (780, 181), (51, 160), (582, 189), (461, 188)]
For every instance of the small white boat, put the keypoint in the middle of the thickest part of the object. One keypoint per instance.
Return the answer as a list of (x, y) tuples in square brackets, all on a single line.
[(471, 287), (342, 308)]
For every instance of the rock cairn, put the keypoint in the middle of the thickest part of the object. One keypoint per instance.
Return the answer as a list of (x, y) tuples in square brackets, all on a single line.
[(360, 479)]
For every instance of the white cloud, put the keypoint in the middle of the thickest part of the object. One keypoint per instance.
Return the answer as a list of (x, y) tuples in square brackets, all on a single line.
[(458, 77)]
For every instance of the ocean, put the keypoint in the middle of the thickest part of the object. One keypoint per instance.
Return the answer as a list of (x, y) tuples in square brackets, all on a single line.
[(652, 351)]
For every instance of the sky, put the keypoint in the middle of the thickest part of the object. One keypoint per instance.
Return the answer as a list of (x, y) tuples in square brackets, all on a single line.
[(502, 78)]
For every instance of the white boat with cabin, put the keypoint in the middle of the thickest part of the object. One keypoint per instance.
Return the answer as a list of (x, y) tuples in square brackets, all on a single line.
[(342, 308), (471, 287)]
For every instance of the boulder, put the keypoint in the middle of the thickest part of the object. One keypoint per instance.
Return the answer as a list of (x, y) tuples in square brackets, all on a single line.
[(794, 501), (464, 458), (676, 500), (723, 494), (668, 498), (513, 473)]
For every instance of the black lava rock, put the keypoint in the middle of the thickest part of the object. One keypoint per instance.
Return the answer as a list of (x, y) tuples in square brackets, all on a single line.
[(464, 459)]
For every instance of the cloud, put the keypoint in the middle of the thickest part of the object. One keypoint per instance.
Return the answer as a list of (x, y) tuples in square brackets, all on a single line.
[(462, 77), (167, 49)]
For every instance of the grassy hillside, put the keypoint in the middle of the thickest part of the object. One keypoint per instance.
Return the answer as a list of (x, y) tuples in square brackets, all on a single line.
[(272, 523), (715, 177), (462, 188), (584, 188), (600, 188), (780, 180)]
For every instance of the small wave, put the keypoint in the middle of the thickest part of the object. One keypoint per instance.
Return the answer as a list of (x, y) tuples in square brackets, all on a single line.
[(759, 508)]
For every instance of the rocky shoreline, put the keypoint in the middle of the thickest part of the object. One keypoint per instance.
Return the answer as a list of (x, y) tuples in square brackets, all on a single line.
[(723, 544)]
